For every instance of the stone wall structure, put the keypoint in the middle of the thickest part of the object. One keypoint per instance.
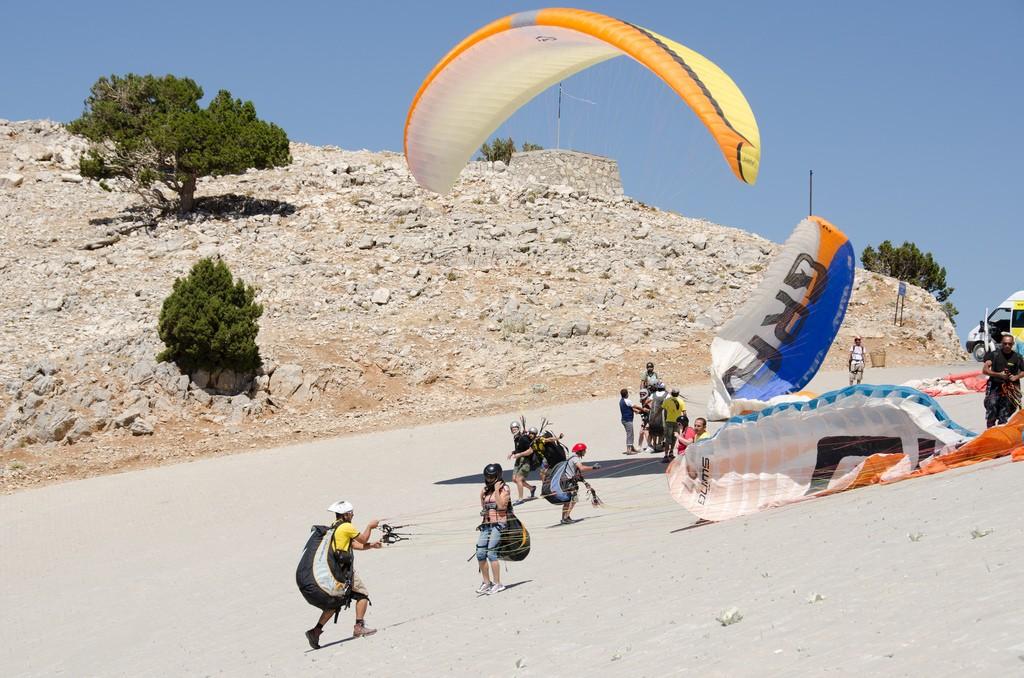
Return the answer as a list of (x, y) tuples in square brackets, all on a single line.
[(597, 175)]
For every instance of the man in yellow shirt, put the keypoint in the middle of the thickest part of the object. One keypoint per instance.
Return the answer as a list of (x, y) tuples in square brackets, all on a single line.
[(347, 536), (673, 407), (700, 431), (700, 428)]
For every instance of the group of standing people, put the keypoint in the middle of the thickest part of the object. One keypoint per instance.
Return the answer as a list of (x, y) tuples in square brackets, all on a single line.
[(665, 427)]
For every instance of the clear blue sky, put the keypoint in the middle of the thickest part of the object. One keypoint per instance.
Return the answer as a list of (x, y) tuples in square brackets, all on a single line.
[(908, 112)]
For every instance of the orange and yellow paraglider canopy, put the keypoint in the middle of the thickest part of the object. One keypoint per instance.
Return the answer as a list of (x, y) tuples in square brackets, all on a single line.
[(500, 67)]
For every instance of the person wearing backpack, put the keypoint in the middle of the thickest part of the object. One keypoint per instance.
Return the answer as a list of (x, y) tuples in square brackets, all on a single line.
[(344, 540), (495, 512), (525, 461), (674, 407), (656, 419), (572, 477)]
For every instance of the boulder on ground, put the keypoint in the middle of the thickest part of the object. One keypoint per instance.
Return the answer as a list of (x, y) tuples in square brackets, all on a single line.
[(285, 381)]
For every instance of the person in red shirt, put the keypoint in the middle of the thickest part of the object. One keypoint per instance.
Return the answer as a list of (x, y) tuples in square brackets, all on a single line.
[(684, 435)]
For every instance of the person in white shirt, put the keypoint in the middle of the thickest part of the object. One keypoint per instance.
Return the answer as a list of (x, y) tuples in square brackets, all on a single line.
[(856, 362)]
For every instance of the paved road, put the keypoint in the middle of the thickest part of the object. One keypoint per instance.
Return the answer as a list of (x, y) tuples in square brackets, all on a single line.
[(188, 569)]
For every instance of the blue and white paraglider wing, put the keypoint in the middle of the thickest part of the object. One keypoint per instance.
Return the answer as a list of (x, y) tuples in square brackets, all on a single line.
[(779, 338)]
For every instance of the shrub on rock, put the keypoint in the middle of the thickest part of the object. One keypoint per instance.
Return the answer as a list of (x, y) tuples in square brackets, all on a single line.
[(210, 321)]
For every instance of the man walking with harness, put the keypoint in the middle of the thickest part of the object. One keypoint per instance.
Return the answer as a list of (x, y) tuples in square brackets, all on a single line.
[(574, 469), (523, 454), (347, 537)]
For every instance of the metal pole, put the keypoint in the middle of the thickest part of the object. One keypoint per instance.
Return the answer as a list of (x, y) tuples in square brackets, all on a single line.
[(558, 123), (810, 193)]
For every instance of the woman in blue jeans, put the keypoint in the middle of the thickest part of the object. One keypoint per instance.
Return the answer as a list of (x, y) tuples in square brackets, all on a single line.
[(494, 508)]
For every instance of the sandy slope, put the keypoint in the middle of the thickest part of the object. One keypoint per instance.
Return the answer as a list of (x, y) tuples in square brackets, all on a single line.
[(188, 569)]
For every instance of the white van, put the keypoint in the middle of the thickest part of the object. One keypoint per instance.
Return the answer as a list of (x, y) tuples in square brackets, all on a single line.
[(1007, 317)]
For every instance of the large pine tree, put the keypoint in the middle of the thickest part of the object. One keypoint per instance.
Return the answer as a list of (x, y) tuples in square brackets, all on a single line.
[(151, 130)]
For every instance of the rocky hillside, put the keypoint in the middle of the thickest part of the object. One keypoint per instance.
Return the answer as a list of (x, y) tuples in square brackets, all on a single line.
[(385, 305)]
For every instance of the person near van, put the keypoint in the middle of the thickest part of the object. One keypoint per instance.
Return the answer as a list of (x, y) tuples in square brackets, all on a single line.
[(347, 536), (856, 361), (1002, 395)]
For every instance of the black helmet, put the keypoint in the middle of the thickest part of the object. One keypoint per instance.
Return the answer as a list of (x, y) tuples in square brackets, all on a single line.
[(492, 471), (650, 366)]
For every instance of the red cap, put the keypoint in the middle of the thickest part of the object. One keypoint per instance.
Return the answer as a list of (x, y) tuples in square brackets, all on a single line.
[(579, 447)]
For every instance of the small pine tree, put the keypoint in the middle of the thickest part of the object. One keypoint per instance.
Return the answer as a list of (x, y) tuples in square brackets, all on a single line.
[(498, 149), (209, 321)]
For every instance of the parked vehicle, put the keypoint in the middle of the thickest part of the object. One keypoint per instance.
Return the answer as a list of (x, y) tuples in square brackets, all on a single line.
[(1007, 317)]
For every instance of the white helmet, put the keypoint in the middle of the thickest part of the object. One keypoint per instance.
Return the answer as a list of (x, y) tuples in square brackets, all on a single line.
[(341, 506), (514, 426)]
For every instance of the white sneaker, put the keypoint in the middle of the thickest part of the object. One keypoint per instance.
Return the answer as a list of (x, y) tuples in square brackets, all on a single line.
[(483, 588), (496, 588)]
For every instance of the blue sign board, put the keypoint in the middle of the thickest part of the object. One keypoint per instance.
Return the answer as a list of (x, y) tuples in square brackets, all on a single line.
[(903, 289)]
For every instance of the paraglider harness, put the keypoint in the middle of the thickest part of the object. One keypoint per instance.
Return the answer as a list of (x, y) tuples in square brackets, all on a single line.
[(567, 486), (552, 450), (537, 458), (493, 506), (548, 450), (325, 575)]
